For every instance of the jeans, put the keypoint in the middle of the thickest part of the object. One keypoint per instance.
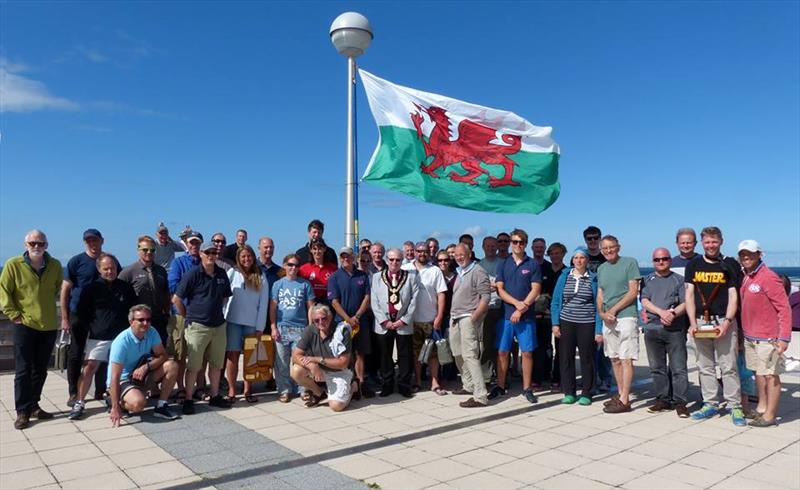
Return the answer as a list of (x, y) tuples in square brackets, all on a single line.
[(75, 359), (283, 359), (719, 352), (580, 335), (32, 349), (662, 344)]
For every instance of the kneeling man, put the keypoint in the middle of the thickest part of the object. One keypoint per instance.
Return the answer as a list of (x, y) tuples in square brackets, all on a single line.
[(138, 362), (323, 355)]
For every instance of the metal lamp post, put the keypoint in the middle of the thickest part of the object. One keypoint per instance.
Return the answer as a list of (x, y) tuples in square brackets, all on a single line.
[(351, 35)]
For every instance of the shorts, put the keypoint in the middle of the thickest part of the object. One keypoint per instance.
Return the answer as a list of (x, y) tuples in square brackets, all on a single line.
[(337, 384), (422, 331), (523, 331), (622, 340), (362, 342), (762, 357), (176, 342), (97, 350), (235, 336), (128, 385), (205, 341)]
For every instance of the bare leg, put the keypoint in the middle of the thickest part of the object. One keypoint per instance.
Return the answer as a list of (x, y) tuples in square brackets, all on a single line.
[(360, 366), (181, 375), (433, 366), (170, 376), (302, 376), (191, 378), (214, 376), (761, 387), (502, 369), (616, 366), (527, 369), (85, 381), (627, 380), (232, 371), (773, 389)]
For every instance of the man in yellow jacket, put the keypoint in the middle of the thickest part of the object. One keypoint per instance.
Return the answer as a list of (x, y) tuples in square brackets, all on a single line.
[(29, 287)]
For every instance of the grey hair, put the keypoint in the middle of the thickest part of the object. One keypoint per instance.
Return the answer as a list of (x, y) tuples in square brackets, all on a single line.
[(33, 232), (685, 231), (139, 307), (395, 250), (320, 307)]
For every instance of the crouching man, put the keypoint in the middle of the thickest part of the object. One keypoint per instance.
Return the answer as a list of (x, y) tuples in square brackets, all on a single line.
[(137, 363), (323, 355)]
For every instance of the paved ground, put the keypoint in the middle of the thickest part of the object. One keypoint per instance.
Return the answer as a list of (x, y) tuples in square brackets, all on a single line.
[(424, 442)]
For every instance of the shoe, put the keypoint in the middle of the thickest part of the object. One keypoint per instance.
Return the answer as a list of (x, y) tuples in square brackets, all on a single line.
[(497, 391), (40, 414), (555, 388), (23, 420), (462, 391), (366, 391), (386, 392), (314, 400), (406, 393), (752, 414), (659, 406), (705, 412), (530, 396), (285, 398), (305, 396), (568, 400), (584, 401), (618, 407), (737, 417), (188, 407), (99, 395), (759, 422), (77, 411), (613, 399), (471, 403), (415, 389), (682, 411), (165, 412), (71, 400), (219, 401)]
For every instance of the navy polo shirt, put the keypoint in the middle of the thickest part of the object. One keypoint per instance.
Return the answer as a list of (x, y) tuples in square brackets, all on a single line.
[(205, 295), (348, 290), (517, 281)]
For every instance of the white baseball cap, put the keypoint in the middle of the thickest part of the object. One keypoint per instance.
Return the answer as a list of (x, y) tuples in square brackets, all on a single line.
[(749, 245)]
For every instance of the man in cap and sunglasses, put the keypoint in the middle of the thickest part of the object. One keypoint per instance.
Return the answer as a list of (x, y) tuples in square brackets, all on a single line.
[(166, 247)]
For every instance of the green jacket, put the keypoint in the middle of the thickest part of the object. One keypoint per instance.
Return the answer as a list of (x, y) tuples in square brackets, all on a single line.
[(26, 294)]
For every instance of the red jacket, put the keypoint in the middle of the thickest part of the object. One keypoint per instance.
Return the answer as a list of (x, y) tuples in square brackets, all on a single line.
[(765, 307)]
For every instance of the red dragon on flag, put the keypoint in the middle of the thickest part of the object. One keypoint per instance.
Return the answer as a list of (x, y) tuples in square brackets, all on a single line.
[(473, 146)]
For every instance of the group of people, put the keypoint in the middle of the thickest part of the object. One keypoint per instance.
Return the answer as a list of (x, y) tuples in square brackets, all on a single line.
[(360, 323)]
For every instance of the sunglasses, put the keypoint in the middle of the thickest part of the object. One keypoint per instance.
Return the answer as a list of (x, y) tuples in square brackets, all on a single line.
[(320, 320), (518, 242), (422, 251), (211, 252), (218, 241), (147, 250), (394, 260), (442, 260), (142, 320), (661, 259), (37, 244), (592, 238), (291, 264)]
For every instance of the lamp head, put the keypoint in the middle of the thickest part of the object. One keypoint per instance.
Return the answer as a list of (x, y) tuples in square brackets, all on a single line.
[(351, 34)]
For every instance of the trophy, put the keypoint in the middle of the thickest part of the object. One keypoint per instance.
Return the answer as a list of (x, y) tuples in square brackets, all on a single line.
[(705, 328)]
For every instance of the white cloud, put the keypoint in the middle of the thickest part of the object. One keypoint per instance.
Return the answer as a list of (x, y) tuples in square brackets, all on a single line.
[(21, 94), (475, 231)]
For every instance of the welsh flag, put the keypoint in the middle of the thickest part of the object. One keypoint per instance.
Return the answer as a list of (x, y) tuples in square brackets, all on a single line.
[(449, 152)]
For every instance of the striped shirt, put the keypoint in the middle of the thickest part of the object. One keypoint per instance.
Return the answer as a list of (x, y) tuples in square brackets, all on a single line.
[(579, 305)]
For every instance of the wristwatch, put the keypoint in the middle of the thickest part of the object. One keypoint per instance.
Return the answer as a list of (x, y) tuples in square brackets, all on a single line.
[(321, 361)]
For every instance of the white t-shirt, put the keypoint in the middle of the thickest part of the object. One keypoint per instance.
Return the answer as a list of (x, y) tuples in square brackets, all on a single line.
[(431, 283)]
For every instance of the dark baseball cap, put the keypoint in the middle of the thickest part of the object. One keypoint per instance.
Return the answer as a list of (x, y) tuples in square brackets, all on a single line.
[(92, 233), (195, 235)]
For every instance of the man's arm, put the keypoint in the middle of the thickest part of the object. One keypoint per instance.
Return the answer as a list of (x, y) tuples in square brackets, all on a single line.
[(691, 310), (7, 302), (507, 298), (160, 357), (628, 299), (66, 289), (440, 302), (730, 311), (337, 307), (116, 412), (177, 301)]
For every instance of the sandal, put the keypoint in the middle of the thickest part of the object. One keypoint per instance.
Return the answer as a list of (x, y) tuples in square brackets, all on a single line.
[(285, 398), (314, 400), (249, 398), (306, 396), (440, 391), (230, 399)]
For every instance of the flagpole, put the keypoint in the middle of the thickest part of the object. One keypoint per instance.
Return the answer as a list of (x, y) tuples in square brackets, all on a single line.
[(351, 34)]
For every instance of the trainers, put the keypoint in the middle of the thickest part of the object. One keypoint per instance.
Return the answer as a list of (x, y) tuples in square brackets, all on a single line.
[(759, 422), (496, 392), (659, 406), (22, 421), (737, 417), (219, 401), (77, 411), (568, 400), (682, 411), (188, 407), (585, 401), (530, 396), (471, 403), (165, 412), (40, 414), (705, 412)]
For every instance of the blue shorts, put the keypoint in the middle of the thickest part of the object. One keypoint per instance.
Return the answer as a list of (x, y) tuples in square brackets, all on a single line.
[(524, 332), (236, 333)]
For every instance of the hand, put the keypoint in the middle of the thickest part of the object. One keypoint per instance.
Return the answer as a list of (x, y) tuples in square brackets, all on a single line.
[(781, 346), (398, 324), (516, 316), (610, 319), (667, 316), (276, 335), (115, 416), (598, 339), (521, 306), (316, 371), (140, 372), (65, 326), (692, 330), (352, 321), (17, 320), (556, 331), (723, 327)]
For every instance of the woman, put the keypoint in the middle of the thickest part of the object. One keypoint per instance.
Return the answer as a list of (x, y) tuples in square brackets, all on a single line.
[(291, 299), (448, 371), (556, 253), (576, 322), (245, 314)]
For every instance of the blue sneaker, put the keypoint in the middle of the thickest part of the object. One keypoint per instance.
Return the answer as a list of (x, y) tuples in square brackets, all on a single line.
[(737, 417), (706, 411)]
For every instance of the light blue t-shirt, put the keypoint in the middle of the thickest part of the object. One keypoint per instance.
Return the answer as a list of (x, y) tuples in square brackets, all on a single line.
[(292, 298), (126, 349)]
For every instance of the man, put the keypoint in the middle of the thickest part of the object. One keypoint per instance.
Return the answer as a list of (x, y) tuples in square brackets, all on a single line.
[(364, 244), (617, 290), (711, 304), (229, 253), (686, 240), (176, 341), (393, 294), (433, 246), (766, 322), (205, 289), (29, 285), (166, 247), (102, 311), (348, 293), (318, 271), (543, 355), (376, 252), (80, 272), (489, 263), (150, 282), (663, 298), (137, 363), (219, 241), (429, 313), (470, 303), (519, 282), (503, 242), (408, 252), (469, 241), (273, 271), (315, 230), (323, 355)]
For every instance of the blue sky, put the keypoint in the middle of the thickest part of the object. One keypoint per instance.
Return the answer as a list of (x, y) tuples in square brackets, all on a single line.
[(118, 115)]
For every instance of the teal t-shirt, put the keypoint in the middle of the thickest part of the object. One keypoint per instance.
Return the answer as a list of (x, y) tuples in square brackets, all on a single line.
[(613, 280)]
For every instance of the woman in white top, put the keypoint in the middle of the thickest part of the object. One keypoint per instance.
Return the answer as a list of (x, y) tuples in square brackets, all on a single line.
[(245, 313)]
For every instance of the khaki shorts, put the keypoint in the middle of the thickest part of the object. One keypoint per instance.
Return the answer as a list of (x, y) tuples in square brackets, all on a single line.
[(763, 358), (208, 342), (422, 331), (622, 340), (176, 343)]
